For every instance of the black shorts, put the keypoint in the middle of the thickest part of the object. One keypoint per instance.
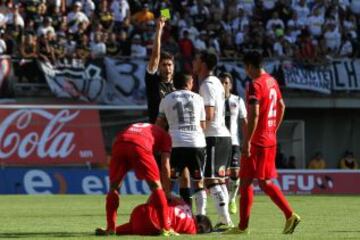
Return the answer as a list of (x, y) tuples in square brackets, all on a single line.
[(235, 157), (192, 158), (218, 151)]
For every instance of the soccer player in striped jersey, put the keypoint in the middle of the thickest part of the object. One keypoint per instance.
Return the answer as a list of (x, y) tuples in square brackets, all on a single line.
[(235, 115)]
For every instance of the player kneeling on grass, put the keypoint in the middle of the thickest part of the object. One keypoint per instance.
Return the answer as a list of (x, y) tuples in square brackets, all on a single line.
[(134, 149), (144, 220)]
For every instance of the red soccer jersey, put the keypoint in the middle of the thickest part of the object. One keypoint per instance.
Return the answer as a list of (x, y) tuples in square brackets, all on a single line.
[(265, 90), (148, 136), (180, 215)]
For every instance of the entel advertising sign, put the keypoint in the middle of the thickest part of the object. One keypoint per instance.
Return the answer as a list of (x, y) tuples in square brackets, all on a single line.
[(85, 181), (50, 137), (64, 181)]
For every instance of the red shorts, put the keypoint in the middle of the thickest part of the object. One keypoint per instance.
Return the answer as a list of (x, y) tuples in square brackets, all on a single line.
[(260, 164), (128, 156), (141, 223)]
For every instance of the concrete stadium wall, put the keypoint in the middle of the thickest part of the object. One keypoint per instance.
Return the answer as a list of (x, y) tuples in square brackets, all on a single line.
[(331, 131)]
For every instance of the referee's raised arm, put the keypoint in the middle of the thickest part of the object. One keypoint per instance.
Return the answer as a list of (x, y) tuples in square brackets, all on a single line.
[(155, 54)]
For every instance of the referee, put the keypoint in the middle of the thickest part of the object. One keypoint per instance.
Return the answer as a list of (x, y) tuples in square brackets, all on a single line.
[(159, 82)]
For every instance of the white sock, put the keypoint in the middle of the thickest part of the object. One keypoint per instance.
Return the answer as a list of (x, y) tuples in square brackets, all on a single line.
[(234, 189), (226, 193), (200, 202), (218, 195)]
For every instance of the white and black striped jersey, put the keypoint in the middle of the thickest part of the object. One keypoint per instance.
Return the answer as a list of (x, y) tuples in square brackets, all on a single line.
[(234, 111)]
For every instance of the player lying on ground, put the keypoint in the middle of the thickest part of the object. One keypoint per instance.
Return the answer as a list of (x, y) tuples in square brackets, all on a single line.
[(134, 149), (144, 220)]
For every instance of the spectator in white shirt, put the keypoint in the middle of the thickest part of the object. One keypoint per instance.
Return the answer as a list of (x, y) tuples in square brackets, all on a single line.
[(75, 17), (137, 49), (241, 36), (200, 42), (120, 10), (278, 48), (346, 47), (291, 35), (46, 27), (98, 47), (275, 21), (350, 25), (344, 4), (315, 23), (296, 22), (88, 7), (332, 38), (239, 22), (302, 11), (269, 4), (355, 7), (15, 18), (247, 5)]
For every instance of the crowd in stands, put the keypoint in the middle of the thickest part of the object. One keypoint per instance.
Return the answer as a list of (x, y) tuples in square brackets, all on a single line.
[(311, 30)]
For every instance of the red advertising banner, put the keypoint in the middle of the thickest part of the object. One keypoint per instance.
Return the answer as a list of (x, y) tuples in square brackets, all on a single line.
[(318, 181), (50, 137)]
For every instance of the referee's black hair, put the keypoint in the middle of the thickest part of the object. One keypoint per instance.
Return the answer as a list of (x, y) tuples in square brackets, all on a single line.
[(209, 58), (166, 56), (253, 58), (181, 80)]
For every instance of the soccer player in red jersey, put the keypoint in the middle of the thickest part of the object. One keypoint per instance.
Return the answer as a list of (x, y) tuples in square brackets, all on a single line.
[(134, 149), (144, 220), (266, 110)]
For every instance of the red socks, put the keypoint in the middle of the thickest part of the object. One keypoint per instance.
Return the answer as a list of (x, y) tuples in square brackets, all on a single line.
[(112, 204), (278, 198), (246, 200), (159, 201)]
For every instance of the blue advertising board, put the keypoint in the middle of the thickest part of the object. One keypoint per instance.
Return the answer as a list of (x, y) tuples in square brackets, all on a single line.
[(64, 181)]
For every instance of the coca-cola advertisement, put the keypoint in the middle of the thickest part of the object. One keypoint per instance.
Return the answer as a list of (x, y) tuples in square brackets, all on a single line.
[(50, 137)]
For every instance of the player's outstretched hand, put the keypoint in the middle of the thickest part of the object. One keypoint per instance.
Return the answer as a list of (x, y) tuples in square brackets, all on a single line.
[(103, 232)]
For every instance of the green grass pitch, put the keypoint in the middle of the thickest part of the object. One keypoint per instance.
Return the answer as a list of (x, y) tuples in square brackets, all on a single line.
[(76, 217)]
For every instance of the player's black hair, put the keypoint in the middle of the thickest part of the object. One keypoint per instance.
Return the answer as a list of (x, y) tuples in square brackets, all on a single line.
[(224, 75), (181, 80), (209, 58), (203, 224), (253, 58)]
